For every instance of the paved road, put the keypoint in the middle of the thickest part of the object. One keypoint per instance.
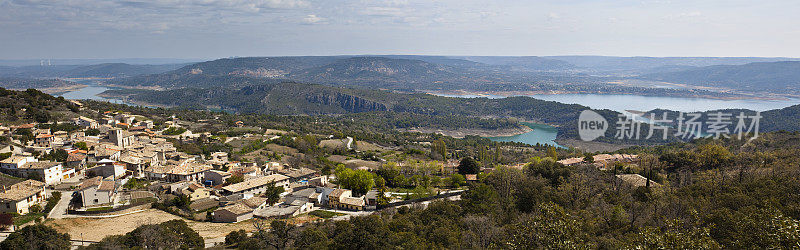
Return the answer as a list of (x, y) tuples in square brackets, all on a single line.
[(60, 210)]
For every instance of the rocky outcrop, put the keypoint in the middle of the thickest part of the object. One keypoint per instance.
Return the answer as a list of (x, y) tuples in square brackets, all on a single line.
[(350, 103)]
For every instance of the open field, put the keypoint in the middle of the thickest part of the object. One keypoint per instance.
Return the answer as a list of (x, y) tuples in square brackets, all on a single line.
[(95, 229)]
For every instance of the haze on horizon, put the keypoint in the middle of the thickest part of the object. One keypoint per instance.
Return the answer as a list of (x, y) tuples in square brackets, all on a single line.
[(34, 29)]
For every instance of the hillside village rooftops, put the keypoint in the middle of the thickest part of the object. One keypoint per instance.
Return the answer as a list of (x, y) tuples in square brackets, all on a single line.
[(106, 186), (252, 183), (76, 157), (40, 136), (571, 161), (24, 126), (130, 159), (254, 202), (86, 119), (338, 192), (636, 180), (21, 190), (105, 151), (159, 169), (355, 201), (221, 173), (237, 209), (194, 186), (91, 182), (188, 168), (296, 173), (39, 165), (614, 157), (14, 159)]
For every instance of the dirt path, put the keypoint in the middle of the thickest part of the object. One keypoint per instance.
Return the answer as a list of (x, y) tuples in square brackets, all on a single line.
[(95, 229)]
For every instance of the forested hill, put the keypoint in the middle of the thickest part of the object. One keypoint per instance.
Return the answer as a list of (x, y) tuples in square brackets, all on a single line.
[(391, 72), (380, 72), (395, 73), (28, 83), (18, 107), (524, 63), (117, 70), (290, 98), (781, 77), (285, 98), (438, 73)]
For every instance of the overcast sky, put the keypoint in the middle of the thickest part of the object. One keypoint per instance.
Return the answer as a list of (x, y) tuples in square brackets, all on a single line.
[(34, 29)]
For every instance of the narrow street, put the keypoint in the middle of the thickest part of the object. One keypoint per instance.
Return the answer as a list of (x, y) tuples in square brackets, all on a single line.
[(60, 210)]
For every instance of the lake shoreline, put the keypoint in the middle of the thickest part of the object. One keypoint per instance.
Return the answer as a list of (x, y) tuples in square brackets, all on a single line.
[(133, 102), (505, 94), (461, 133), (60, 90)]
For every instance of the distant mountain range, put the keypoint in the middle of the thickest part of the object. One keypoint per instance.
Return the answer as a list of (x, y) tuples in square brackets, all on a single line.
[(772, 76), (105, 70), (412, 73), (27, 83), (613, 63)]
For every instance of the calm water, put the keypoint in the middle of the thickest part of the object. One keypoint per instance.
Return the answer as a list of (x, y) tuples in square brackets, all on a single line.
[(546, 134), (542, 134), (646, 103), (90, 92)]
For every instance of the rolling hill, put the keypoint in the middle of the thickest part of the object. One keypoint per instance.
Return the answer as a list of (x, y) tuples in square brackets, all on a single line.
[(780, 77), (106, 70), (28, 83)]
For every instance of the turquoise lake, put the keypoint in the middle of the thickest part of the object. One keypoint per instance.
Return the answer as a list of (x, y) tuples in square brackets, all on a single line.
[(542, 134)]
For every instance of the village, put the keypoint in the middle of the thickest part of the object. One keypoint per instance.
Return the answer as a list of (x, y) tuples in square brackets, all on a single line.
[(119, 164)]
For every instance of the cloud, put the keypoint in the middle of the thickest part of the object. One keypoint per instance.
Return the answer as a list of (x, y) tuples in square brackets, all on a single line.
[(314, 19), (385, 11), (690, 14)]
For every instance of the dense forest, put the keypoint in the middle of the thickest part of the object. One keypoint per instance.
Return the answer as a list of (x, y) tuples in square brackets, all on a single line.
[(18, 107), (717, 194), (28, 83)]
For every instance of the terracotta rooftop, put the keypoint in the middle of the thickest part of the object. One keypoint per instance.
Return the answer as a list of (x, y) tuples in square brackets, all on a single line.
[(21, 190), (636, 180), (237, 209), (106, 186), (254, 202), (91, 182), (252, 183), (86, 119), (40, 165), (355, 201), (295, 173), (76, 157), (188, 168), (338, 192), (14, 159)]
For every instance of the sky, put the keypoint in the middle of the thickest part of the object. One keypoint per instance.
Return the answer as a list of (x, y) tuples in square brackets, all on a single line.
[(42, 29)]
